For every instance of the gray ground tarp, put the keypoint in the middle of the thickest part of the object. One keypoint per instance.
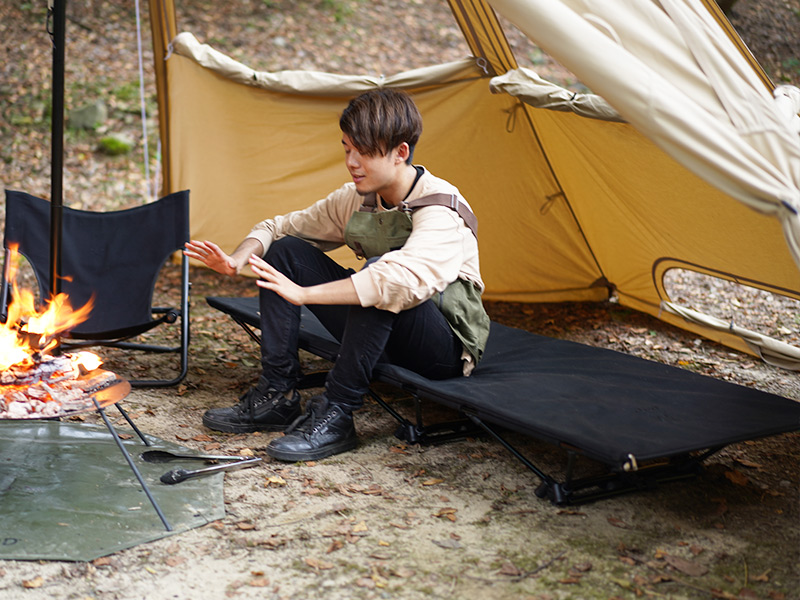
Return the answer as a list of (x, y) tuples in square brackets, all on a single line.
[(67, 493)]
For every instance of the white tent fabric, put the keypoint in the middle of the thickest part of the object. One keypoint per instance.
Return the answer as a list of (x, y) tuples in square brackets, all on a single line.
[(700, 101), (771, 351), (532, 89), (314, 83)]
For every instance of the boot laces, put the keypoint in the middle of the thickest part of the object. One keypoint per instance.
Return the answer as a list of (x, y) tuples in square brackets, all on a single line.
[(253, 398), (312, 421)]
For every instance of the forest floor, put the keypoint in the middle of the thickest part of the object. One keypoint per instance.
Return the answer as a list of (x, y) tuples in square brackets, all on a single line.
[(392, 520)]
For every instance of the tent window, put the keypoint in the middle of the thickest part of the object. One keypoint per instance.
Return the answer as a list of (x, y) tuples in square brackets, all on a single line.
[(767, 313)]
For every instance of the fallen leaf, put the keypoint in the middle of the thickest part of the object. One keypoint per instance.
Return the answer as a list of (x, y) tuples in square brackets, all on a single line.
[(686, 567), (103, 561), (259, 582), (749, 463), (510, 569), (202, 437), (246, 526), (317, 564), (174, 561), (274, 480), (450, 544), (360, 527), (446, 513), (403, 572), (36, 582), (617, 522), (736, 477), (335, 545), (380, 582), (433, 481)]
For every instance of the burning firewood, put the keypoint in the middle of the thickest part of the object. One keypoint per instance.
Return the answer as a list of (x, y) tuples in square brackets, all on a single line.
[(35, 381)]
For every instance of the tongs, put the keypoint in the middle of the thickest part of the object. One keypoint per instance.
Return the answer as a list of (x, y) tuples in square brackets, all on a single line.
[(178, 475), (162, 456)]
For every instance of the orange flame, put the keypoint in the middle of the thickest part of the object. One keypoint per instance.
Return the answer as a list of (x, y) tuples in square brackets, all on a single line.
[(28, 330)]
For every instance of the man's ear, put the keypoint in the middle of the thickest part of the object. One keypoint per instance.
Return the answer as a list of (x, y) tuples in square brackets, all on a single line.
[(402, 152)]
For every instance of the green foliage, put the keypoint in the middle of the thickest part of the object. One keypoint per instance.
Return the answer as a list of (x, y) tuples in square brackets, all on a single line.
[(341, 9), (114, 146), (127, 92), (791, 68)]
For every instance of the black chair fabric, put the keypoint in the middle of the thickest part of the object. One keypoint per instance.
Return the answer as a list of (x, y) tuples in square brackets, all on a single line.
[(113, 258), (607, 405)]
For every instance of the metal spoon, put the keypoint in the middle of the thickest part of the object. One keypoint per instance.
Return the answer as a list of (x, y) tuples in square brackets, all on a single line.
[(162, 456), (178, 475)]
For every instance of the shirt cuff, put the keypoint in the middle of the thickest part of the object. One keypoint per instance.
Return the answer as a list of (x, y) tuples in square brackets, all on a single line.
[(366, 289)]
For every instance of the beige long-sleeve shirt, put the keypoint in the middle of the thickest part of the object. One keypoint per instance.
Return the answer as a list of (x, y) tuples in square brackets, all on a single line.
[(440, 249)]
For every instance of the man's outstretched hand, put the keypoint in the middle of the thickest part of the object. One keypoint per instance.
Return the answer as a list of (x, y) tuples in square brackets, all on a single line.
[(212, 256)]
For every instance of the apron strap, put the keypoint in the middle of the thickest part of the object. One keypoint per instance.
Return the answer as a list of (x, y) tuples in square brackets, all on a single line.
[(451, 201)]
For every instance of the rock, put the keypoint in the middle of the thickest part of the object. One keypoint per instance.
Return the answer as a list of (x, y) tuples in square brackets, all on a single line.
[(88, 117)]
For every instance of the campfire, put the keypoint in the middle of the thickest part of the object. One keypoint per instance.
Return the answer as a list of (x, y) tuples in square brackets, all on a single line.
[(37, 380)]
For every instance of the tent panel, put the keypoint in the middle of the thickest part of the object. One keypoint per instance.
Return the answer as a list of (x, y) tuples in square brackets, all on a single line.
[(264, 153), (637, 207)]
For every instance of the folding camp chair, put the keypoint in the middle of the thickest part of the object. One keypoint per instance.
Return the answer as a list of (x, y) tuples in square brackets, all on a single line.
[(114, 259)]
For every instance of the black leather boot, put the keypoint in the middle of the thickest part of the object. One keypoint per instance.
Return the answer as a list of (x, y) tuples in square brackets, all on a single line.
[(256, 411), (325, 429)]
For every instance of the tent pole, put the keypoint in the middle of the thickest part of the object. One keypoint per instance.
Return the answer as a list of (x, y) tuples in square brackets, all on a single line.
[(57, 144)]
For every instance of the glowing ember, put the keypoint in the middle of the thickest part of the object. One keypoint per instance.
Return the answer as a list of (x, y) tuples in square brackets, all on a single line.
[(34, 384)]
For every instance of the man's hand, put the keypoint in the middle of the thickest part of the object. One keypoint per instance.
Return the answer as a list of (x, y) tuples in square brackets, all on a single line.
[(272, 279), (212, 256)]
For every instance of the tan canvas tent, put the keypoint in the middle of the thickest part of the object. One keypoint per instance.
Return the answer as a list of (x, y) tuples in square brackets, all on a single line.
[(684, 156)]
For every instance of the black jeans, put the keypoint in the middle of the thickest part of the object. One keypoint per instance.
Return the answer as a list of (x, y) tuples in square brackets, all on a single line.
[(418, 339)]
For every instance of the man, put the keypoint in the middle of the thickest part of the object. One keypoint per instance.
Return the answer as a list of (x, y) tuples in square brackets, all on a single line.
[(416, 302)]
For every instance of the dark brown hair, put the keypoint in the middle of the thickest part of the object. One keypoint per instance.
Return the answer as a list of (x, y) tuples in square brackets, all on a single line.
[(380, 120)]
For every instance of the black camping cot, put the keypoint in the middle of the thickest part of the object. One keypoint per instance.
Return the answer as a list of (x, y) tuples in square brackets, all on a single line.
[(644, 421)]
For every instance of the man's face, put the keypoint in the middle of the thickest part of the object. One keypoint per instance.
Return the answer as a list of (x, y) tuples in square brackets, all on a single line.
[(370, 173)]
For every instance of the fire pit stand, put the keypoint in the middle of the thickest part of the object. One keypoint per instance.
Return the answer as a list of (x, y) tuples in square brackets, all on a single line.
[(127, 455)]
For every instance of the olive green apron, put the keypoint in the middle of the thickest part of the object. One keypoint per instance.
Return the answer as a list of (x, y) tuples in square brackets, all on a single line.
[(370, 234)]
